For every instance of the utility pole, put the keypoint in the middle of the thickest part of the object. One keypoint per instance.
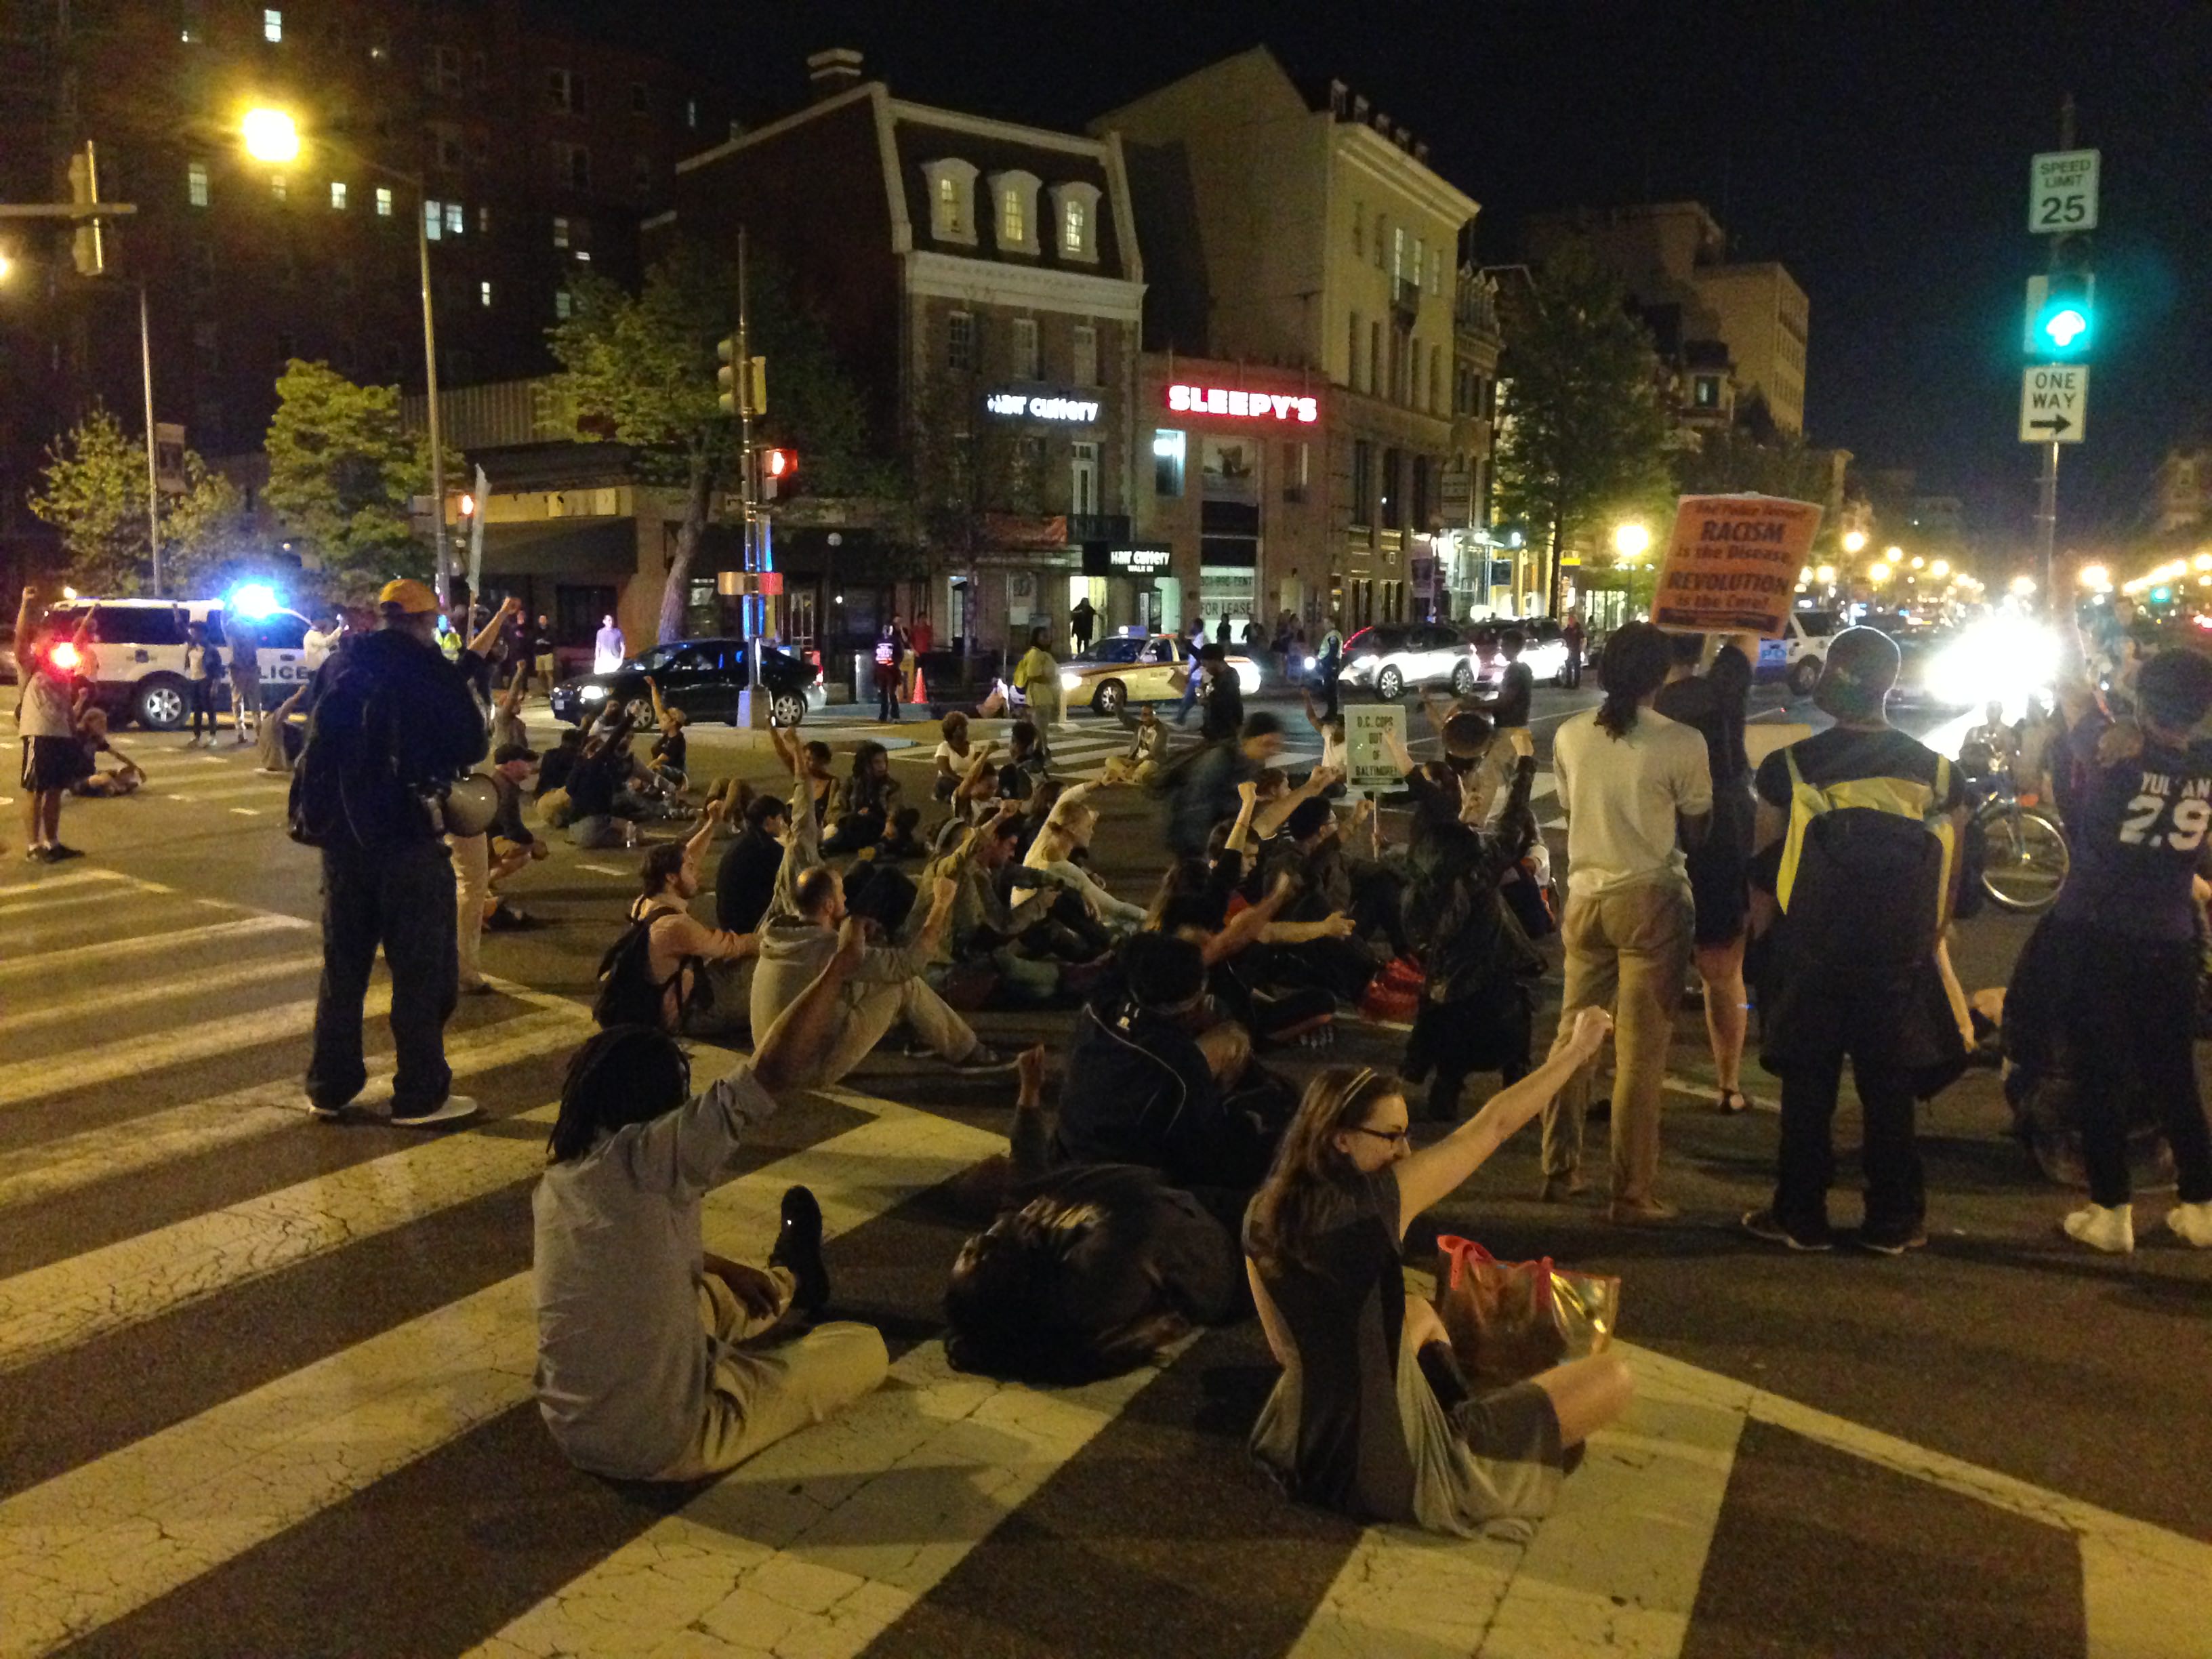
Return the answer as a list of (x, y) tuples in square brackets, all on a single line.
[(430, 384), (747, 504), (153, 471)]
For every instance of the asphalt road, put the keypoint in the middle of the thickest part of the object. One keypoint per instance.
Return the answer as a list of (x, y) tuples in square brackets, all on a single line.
[(264, 1382)]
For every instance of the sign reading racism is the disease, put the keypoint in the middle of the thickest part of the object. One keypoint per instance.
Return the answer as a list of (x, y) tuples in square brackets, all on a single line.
[(1733, 565)]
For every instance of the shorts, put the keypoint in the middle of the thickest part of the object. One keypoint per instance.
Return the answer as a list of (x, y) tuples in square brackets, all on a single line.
[(53, 763), (1720, 871)]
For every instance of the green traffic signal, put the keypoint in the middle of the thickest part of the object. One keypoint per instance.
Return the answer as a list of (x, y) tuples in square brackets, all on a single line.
[(2064, 317)]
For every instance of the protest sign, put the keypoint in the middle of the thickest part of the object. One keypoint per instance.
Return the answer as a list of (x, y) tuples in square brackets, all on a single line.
[(1369, 767), (1733, 563)]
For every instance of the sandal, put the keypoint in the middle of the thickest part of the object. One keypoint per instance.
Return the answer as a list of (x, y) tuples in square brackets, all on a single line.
[(1732, 1101)]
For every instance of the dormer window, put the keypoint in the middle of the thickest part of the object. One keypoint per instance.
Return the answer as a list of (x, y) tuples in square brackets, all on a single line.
[(952, 184), (1075, 217), (1013, 197)]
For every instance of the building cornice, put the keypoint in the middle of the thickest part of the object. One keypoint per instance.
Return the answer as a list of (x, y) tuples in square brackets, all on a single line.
[(994, 282), (777, 129), (1376, 156), (1007, 132)]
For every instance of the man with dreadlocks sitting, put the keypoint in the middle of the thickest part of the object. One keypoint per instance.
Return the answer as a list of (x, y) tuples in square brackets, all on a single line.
[(644, 1367)]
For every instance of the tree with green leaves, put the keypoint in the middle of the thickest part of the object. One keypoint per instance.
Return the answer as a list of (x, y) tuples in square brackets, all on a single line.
[(95, 494), (641, 369), (966, 471), (343, 471), (1742, 458), (1584, 437)]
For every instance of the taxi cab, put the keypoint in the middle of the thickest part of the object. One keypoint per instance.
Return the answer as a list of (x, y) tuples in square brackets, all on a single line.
[(1126, 668)]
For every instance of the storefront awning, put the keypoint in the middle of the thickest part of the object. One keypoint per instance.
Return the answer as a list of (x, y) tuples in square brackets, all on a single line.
[(603, 549)]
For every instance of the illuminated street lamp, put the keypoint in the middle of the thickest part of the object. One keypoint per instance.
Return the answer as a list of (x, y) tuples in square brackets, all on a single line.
[(1895, 555), (1918, 562), (1827, 572), (2023, 586), (2096, 578), (1854, 540), (1878, 573), (7, 265), (1629, 540), (2202, 562), (1940, 567), (272, 135)]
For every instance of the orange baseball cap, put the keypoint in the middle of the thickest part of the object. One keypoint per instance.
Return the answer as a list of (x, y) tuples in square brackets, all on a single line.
[(409, 596)]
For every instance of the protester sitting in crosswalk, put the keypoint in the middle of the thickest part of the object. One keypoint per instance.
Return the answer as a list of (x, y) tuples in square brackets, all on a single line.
[(984, 934), (1148, 750), (1066, 832), (125, 778), (658, 972), (885, 987), (1087, 1270), (277, 742), (1372, 1417), (641, 1370)]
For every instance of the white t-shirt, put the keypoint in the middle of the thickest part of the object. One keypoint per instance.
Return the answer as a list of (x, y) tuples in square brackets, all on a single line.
[(45, 709), (1621, 797)]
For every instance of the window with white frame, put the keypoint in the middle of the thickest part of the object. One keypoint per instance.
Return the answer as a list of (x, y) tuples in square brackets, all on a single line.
[(278, 187), (196, 183), (1397, 255), (952, 185), (1082, 496), (564, 304), (457, 219), (1013, 197), (1083, 366), (560, 230), (1075, 214), (1025, 348), (433, 221), (1420, 270), (960, 341), (272, 24), (383, 202), (483, 294), (338, 196)]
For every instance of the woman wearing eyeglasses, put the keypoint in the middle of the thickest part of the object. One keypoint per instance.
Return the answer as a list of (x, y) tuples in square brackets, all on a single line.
[(1371, 1417)]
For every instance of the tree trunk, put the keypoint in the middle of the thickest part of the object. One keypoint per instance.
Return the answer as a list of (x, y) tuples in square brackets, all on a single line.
[(1554, 586), (697, 495)]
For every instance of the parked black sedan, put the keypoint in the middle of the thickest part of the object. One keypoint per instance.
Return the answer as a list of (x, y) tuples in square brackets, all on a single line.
[(702, 677)]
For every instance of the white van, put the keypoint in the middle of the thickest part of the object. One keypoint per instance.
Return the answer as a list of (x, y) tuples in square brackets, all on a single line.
[(138, 653)]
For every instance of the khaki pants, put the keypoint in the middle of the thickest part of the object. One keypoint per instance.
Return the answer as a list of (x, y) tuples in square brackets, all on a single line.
[(1628, 949), (471, 888), (875, 1010), (754, 1398)]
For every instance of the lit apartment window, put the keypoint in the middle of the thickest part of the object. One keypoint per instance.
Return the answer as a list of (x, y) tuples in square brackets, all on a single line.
[(457, 219), (1074, 227), (1075, 210), (1013, 221), (691, 113), (1169, 449), (960, 341), (483, 294), (560, 230), (196, 183), (1705, 392), (564, 304), (952, 184), (1025, 348), (383, 203), (433, 221), (1014, 198), (277, 186), (1397, 255), (337, 195), (272, 24), (483, 221), (1084, 366), (1420, 260)]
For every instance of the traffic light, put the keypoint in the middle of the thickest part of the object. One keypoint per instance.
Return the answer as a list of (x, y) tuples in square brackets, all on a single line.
[(726, 377), (777, 465), (2062, 315), (89, 245)]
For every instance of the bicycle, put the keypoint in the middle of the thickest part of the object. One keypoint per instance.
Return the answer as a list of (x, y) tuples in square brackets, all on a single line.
[(2024, 856)]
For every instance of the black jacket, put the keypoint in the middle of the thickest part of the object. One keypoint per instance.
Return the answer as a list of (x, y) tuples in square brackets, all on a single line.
[(393, 724)]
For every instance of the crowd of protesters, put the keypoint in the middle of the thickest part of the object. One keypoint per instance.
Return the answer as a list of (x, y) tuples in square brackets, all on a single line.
[(1185, 1179)]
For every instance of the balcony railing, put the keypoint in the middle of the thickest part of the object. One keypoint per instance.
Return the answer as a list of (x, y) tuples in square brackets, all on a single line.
[(1098, 527)]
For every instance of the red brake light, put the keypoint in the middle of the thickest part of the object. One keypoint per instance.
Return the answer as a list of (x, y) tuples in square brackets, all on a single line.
[(62, 655)]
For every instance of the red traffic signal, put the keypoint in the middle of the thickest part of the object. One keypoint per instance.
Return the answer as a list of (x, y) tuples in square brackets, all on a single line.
[(777, 465)]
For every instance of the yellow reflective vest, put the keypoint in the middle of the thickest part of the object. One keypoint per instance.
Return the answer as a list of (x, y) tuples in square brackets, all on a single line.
[(1906, 798)]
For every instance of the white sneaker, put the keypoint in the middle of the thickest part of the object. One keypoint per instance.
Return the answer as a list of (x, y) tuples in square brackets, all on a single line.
[(2193, 1222), (452, 1109), (2103, 1228)]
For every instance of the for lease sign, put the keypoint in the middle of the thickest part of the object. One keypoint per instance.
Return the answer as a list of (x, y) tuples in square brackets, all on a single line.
[(1732, 565)]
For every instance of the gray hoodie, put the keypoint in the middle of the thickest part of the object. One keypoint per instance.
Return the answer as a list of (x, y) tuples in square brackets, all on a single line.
[(793, 952)]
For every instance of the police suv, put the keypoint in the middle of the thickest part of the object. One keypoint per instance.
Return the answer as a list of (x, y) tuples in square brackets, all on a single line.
[(137, 647)]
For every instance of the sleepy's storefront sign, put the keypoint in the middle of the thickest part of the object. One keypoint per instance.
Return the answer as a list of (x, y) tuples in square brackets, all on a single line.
[(1245, 405)]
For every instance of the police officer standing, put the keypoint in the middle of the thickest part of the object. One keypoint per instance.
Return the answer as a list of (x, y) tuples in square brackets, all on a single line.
[(394, 724)]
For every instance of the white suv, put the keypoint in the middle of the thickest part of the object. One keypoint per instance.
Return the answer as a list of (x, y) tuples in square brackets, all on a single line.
[(138, 653)]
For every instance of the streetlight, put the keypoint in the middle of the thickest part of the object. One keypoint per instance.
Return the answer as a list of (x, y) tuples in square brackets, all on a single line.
[(272, 135), (2096, 578), (1918, 562), (1878, 573), (1828, 575), (2023, 586), (1854, 540), (1940, 567), (1629, 540), (7, 265), (1895, 555)]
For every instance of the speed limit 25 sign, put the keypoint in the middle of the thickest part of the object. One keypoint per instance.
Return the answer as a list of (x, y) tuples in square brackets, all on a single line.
[(2062, 195)]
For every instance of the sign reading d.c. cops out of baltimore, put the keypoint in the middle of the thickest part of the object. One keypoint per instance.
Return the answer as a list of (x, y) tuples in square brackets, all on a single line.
[(1733, 564)]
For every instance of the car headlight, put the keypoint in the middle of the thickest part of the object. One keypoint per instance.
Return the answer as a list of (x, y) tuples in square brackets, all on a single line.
[(592, 693), (1248, 676), (1071, 682)]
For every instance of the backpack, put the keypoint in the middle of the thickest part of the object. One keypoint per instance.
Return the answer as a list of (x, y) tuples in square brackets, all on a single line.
[(628, 994), (1863, 873)]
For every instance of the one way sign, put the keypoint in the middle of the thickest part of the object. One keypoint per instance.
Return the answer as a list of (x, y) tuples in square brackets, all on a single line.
[(2054, 403)]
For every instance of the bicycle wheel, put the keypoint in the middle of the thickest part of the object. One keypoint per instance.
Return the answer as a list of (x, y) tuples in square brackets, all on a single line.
[(2025, 861)]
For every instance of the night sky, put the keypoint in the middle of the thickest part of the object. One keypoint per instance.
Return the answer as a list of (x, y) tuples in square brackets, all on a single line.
[(1878, 150)]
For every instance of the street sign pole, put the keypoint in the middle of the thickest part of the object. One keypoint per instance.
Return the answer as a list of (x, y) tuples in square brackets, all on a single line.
[(2046, 509)]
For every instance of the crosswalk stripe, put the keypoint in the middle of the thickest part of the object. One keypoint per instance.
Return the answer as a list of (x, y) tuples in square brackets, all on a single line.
[(47, 883), (113, 999), (144, 945), (53, 1167), (1614, 1568), (234, 791), (84, 1548), (68, 901), (32, 1079), (820, 1543)]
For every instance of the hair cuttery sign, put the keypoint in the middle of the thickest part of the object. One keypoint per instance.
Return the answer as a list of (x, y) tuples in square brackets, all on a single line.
[(1249, 405)]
